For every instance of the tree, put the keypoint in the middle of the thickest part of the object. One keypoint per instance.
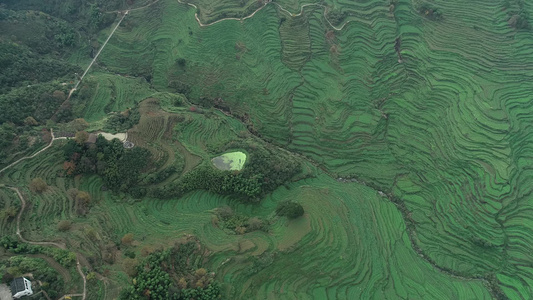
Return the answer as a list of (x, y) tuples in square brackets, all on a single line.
[(64, 225), (69, 167), (8, 213), (83, 198), (147, 250), (79, 124), (225, 212), (59, 95), (200, 272), (127, 239), (290, 209), (30, 121), (255, 224), (182, 283), (72, 193), (130, 266), (81, 137), (38, 185)]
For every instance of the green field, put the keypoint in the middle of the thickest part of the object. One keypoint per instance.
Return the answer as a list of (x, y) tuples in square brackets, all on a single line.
[(230, 161), (411, 124)]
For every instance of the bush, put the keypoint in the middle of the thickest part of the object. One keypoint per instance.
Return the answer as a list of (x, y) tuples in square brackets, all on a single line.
[(290, 209), (130, 266), (38, 185), (64, 225), (81, 137), (127, 239), (255, 224)]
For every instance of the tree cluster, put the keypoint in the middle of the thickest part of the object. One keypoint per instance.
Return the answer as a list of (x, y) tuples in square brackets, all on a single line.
[(518, 14), (264, 172), (120, 168), (336, 17), (21, 66), (237, 222), (290, 209), (430, 12), (15, 266), (63, 257), (38, 101), (175, 274), (120, 122)]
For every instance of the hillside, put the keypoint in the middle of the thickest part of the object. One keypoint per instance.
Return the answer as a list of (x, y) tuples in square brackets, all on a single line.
[(400, 127)]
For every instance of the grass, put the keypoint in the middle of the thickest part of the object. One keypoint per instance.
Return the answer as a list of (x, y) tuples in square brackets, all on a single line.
[(230, 161), (335, 260), (113, 93), (445, 133)]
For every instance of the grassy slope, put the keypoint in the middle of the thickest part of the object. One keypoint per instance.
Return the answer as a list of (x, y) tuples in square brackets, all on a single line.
[(351, 242), (445, 131)]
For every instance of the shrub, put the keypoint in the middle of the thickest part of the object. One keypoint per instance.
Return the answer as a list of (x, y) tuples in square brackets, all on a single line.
[(38, 185), (127, 239), (64, 225), (255, 224), (290, 209), (130, 266), (81, 137)]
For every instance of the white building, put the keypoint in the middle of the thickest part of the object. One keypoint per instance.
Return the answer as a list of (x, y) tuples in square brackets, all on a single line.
[(21, 287)]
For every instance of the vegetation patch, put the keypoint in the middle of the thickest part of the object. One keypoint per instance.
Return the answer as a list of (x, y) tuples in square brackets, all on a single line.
[(232, 161), (265, 171), (175, 274), (120, 168), (48, 279)]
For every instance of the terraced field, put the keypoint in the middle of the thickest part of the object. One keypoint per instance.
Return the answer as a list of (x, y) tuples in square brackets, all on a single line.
[(113, 93), (343, 226), (432, 111), (425, 105)]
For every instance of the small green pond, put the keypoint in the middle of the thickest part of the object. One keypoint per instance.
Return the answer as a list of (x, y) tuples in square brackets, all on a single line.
[(232, 161)]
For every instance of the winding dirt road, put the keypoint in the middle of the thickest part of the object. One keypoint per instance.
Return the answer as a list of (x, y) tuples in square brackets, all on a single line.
[(19, 194), (53, 244), (35, 154), (260, 8)]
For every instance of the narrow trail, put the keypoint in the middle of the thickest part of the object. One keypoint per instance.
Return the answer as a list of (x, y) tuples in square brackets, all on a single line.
[(94, 59), (263, 6), (132, 9), (53, 244), (35, 154), (98, 53), (23, 207), (54, 264)]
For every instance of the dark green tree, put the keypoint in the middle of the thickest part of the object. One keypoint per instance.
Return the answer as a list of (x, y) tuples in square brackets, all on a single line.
[(290, 209)]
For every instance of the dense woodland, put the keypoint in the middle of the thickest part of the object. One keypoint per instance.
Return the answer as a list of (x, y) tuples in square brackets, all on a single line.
[(18, 264), (264, 172), (120, 168), (37, 37), (173, 274)]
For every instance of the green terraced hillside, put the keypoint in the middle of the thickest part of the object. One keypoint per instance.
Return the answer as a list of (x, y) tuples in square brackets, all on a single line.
[(411, 120)]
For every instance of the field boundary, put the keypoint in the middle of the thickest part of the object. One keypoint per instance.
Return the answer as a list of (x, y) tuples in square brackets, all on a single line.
[(53, 244), (260, 8), (35, 154)]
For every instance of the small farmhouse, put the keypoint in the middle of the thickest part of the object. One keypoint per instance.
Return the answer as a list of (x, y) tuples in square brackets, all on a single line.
[(21, 287)]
